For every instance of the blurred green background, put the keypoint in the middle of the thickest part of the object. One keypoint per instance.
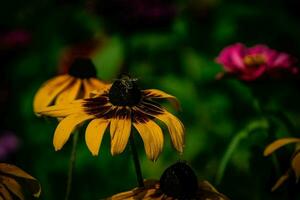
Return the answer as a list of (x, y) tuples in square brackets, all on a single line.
[(168, 45)]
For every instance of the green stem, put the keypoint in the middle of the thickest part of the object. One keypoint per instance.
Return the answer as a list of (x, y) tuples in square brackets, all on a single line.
[(136, 162), (71, 165)]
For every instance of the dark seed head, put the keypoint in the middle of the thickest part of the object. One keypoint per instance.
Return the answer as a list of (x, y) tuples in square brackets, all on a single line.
[(179, 181), (83, 68), (125, 92)]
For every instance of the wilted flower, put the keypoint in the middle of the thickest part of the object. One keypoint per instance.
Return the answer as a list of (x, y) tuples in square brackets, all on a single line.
[(77, 81), (13, 180), (295, 161), (252, 63), (177, 182), (120, 105)]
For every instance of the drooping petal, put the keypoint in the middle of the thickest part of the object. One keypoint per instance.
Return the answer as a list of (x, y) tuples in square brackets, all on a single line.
[(94, 134), (33, 185), (152, 137), (175, 127), (281, 180), (13, 186), (154, 93), (63, 110), (296, 165), (120, 128), (66, 127), (278, 144), (47, 93), (70, 93), (4, 193)]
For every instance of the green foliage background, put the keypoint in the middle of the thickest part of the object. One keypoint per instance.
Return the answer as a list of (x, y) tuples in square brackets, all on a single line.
[(178, 59)]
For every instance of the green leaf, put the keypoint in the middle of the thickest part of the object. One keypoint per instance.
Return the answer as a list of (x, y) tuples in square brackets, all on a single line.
[(243, 134)]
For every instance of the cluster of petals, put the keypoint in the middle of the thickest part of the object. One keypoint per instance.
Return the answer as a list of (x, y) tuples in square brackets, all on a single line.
[(14, 180), (295, 161), (259, 61), (101, 113)]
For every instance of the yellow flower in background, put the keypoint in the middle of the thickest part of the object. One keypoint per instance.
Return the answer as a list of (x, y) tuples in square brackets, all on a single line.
[(77, 80), (120, 105), (295, 161), (13, 180), (177, 182)]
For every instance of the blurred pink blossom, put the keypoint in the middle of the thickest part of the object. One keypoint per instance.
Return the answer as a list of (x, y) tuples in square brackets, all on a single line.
[(15, 38), (252, 63), (9, 143)]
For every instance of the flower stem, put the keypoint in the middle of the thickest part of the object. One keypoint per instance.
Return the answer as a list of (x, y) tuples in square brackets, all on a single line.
[(136, 162), (71, 165)]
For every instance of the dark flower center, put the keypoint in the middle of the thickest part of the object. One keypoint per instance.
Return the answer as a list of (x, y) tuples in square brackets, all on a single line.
[(179, 181), (125, 92), (83, 68)]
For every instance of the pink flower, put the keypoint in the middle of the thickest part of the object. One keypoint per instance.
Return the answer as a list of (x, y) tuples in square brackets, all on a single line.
[(15, 38), (254, 62)]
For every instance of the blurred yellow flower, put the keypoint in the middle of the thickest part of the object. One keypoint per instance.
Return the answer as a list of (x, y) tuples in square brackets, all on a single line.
[(77, 78), (295, 161), (120, 105), (13, 180)]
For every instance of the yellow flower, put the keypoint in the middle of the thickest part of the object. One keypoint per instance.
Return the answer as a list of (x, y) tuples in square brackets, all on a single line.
[(77, 81), (177, 182), (295, 161), (80, 81), (9, 185), (119, 106)]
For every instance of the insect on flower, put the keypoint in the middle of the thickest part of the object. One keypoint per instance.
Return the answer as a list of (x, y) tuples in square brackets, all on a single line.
[(121, 105)]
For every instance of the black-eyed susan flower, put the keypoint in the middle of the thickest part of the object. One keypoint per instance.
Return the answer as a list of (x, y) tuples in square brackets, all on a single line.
[(177, 182), (13, 180), (294, 170), (77, 83), (121, 105)]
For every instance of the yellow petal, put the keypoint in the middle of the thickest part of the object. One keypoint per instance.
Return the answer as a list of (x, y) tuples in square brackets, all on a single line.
[(66, 127), (120, 128), (207, 191), (176, 129), (280, 181), (154, 93), (33, 185), (296, 165), (70, 93), (94, 134), (279, 143), (152, 137), (49, 90), (4, 193), (63, 110), (121, 196), (87, 88), (13, 186), (99, 85)]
